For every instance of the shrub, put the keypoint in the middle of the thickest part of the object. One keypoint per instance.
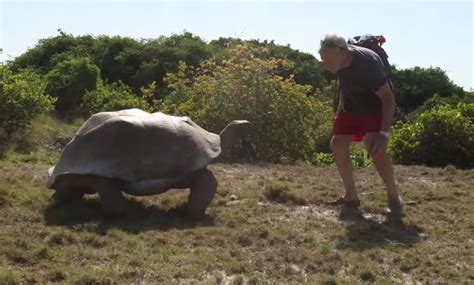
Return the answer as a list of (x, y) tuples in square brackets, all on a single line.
[(111, 97), (358, 157), (439, 136), (22, 98), (68, 81), (322, 159), (287, 121)]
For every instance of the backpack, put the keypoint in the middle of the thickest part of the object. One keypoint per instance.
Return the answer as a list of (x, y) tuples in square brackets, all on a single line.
[(373, 43)]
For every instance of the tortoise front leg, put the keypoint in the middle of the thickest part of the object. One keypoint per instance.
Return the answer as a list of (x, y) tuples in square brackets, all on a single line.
[(203, 188), (64, 195), (111, 197)]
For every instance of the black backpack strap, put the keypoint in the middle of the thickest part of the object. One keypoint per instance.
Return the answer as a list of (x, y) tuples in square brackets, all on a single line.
[(337, 95)]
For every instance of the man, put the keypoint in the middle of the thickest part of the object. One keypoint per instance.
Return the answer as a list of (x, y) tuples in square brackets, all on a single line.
[(365, 112)]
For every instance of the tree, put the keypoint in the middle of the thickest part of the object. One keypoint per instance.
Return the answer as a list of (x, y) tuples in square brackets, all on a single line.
[(118, 58), (22, 98), (416, 85), (287, 121), (111, 97), (68, 82), (162, 56), (307, 70), (441, 135)]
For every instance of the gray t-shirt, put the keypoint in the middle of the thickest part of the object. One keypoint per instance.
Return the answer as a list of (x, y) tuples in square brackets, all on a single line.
[(360, 81)]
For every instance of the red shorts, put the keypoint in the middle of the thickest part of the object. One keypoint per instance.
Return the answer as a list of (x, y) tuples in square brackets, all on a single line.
[(357, 126)]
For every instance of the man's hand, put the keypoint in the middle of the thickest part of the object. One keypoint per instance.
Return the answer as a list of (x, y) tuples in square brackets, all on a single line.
[(379, 143)]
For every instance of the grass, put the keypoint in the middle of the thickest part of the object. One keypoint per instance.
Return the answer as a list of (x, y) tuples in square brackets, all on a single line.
[(267, 224)]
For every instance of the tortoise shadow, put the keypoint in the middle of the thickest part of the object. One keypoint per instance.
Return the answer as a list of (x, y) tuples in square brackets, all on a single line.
[(138, 217), (364, 233)]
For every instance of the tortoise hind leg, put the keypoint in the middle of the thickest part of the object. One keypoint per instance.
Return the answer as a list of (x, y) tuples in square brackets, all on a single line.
[(76, 185)]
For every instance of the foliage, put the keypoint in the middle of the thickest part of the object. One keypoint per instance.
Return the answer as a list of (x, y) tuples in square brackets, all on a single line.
[(41, 57), (416, 85), (306, 69), (322, 159), (68, 82), (437, 100), (135, 63), (161, 56), (285, 92), (22, 99), (358, 157), (439, 136), (286, 121), (118, 58), (140, 62), (112, 97)]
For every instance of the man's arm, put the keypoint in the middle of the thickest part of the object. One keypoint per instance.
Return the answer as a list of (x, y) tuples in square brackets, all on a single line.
[(388, 106), (340, 108)]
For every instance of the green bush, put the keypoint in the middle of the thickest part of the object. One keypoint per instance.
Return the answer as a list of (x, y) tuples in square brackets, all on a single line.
[(111, 97), (417, 85), (68, 81), (22, 98), (287, 122), (439, 136), (322, 159), (358, 157)]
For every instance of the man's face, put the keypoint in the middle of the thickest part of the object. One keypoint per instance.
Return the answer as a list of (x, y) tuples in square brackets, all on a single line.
[(330, 58)]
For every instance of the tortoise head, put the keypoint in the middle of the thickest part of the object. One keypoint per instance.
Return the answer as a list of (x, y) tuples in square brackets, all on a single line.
[(233, 132)]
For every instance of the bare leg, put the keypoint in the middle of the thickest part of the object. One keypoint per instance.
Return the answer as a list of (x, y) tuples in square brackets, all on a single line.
[(340, 149), (383, 164)]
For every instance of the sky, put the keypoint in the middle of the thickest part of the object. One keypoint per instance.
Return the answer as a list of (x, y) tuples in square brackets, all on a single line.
[(419, 33)]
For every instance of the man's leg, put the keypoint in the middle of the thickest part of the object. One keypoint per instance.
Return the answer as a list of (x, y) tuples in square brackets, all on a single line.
[(340, 148), (383, 164)]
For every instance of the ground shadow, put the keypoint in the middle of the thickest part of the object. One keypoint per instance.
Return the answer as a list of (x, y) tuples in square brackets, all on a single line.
[(138, 217), (365, 233)]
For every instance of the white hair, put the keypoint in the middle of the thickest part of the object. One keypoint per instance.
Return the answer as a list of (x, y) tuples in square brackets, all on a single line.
[(334, 41)]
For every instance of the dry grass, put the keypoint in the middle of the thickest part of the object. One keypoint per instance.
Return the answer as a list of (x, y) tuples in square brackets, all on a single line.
[(267, 224)]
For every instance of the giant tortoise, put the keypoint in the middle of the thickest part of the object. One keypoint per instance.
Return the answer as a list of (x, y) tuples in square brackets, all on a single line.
[(141, 154)]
